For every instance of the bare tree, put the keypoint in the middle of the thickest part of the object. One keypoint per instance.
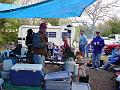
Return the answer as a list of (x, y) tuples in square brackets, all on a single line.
[(100, 10)]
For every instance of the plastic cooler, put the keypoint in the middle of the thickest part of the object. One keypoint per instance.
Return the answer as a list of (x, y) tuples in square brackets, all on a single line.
[(26, 74), (58, 81)]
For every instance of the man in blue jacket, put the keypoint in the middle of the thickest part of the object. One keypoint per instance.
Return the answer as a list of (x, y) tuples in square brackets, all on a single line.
[(98, 44)]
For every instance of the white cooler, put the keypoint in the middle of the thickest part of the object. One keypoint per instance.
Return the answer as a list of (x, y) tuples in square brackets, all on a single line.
[(26, 74)]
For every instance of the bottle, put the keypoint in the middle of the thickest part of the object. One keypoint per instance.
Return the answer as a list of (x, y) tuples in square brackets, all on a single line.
[(49, 54)]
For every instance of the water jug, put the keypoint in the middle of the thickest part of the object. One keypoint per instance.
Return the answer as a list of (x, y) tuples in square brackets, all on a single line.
[(7, 64), (69, 65), (76, 67)]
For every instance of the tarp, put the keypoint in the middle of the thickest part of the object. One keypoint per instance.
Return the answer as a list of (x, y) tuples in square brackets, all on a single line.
[(48, 9), (7, 6)]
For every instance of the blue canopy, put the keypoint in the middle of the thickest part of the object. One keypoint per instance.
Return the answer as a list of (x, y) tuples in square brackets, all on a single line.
[(47, 9), (7, 6)]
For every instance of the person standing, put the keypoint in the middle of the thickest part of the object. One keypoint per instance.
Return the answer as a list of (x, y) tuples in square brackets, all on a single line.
[(29, 38), (28, 43), (39, 43), (82, 42), (98, 44)]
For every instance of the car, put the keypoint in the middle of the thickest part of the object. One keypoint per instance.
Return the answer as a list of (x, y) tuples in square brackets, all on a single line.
[(108, 48)]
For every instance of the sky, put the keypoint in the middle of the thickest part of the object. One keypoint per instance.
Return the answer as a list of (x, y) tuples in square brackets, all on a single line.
[(111, 12)]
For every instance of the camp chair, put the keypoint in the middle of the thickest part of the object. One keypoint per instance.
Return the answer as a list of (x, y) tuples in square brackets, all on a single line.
[(116, 70)]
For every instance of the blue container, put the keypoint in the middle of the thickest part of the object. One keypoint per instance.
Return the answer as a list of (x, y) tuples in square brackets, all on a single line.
[(26, 74), (26, 78)]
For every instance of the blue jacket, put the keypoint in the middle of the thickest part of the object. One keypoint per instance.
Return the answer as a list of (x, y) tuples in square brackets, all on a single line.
[(83, 40), (98, 44)]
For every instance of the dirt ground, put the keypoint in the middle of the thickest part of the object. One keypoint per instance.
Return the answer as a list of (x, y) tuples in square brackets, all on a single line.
[(99, 80)]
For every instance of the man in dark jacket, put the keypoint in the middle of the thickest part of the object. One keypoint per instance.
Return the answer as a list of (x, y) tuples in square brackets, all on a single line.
[(28, 42), (98, 44)]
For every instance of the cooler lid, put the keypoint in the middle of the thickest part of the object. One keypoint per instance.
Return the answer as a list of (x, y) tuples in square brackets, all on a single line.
[(80, 86), (58, 75), (34, 67)]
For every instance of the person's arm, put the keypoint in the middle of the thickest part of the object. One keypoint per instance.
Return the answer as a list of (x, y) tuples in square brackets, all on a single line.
[(86, 40), (117, 53), (26, 42), (92, 43)]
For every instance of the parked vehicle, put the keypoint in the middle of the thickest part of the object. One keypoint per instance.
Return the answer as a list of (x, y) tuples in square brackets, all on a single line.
[(54, 33), (115, 38), (111, 42), (108, 48)]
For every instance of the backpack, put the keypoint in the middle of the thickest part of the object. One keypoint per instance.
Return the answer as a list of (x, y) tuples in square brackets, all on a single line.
[(37, 41)]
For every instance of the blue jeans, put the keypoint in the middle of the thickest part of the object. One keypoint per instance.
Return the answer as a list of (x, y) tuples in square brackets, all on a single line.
[(111, 61), (39, 59), (96, 60), (82, 48)]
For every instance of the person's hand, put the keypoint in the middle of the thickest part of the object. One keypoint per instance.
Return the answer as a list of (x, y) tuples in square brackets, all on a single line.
[(47, 43), (95, 43)]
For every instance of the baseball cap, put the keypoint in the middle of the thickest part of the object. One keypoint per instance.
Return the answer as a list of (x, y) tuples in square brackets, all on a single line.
[(97, 32)]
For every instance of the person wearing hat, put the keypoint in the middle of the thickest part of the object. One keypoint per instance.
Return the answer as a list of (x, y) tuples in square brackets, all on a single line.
[(40, 42), (98, 44), (82, 42)]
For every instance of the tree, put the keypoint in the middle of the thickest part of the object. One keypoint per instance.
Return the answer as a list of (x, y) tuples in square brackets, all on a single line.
[(7, 1), (6, 25), (105, 29), (110, 27), (52, 21), (115, 25), (99, 11)]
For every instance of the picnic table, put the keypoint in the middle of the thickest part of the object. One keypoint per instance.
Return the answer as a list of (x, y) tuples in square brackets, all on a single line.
[(55, 61)]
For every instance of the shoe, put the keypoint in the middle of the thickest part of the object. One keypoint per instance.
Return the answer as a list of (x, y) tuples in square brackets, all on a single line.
[(101, 67), (97, 69), (91, 67)]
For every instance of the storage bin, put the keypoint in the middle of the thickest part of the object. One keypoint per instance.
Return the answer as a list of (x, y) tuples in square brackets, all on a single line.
[(80, 86), (58, 85), (58, 81)]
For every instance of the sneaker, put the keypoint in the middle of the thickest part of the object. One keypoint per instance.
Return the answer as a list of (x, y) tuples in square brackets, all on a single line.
[(97, 69), (101, 67), (91, 67)]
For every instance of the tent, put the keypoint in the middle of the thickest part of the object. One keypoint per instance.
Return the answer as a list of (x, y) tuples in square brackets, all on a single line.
[(7, 6), (46, 9)]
